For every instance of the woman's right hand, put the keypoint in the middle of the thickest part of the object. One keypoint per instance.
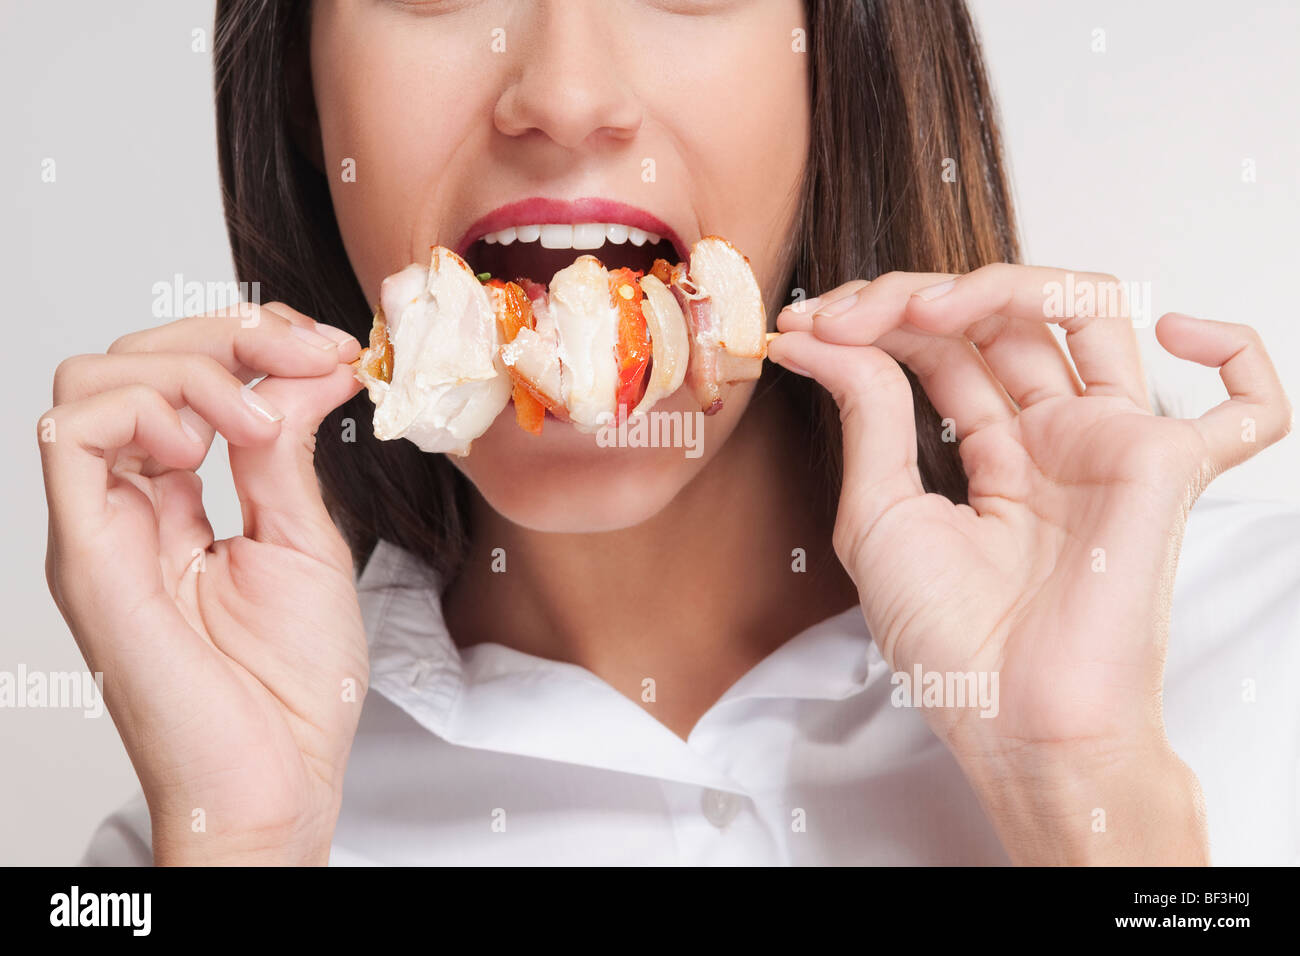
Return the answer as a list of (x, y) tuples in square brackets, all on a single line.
[(234, 670)]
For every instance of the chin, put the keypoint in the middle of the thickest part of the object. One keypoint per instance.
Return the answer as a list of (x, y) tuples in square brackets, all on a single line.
[(564, 481)]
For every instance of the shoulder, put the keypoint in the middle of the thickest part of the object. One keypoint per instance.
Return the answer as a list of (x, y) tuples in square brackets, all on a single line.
[(123, 838)]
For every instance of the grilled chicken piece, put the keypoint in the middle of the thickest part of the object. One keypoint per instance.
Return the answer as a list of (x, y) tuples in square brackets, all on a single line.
[(725, 317), (587, 323), (375, 366), (447, 383)]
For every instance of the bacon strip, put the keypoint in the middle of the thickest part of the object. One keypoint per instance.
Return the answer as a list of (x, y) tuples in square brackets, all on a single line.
[(702, 370)]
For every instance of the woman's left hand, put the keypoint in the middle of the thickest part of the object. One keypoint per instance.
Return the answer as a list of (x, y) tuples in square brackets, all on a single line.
[(1057, 576)]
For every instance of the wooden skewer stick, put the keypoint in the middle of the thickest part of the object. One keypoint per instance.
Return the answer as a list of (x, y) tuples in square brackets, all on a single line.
[(771, 337)]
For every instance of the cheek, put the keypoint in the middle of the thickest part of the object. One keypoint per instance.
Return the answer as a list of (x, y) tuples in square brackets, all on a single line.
[(563, 482), (387, 134), (744, 128)]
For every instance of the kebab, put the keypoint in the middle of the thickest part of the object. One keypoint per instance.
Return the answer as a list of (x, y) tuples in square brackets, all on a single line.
[(449, 349)]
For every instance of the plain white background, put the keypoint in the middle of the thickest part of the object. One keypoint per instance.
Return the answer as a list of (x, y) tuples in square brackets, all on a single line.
[(1126, 160)]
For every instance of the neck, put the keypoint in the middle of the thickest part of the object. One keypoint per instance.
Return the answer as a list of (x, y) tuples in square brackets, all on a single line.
[(722, 592)]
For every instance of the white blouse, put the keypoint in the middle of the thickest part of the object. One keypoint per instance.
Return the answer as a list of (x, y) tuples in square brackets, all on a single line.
[(492, 756)]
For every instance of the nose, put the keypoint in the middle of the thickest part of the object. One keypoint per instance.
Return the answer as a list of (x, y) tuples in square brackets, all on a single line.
[(570, 84)]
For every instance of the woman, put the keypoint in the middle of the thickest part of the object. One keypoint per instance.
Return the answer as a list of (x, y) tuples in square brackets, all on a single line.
[(584, 654)]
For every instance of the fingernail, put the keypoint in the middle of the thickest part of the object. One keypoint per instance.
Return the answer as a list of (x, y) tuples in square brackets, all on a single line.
[(335, 334), (192, 423), (934, 291), (803, 305), (312, 338), (259, 405), (838, 307)]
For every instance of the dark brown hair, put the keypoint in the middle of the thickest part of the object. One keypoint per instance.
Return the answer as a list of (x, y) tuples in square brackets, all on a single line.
[(899, 99)]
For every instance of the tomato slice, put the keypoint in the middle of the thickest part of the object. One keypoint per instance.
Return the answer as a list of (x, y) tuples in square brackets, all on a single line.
[(530, 413), (514, 312), (633, 349)]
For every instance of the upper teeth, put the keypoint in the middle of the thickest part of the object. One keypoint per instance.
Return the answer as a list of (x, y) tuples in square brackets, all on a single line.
[(582, 235)]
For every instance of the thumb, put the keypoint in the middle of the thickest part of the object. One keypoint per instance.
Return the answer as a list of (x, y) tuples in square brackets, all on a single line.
[(876, 419), (276, 481)]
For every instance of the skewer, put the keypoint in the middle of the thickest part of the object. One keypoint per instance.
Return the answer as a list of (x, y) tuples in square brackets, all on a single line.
[(771, 337)]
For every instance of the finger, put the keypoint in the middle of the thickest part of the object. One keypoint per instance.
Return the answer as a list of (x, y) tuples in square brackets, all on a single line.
[(1026, 358), (292, 315), (1000, 307), (1091, 307), (877, 419), (251, 341), (862, 316), (794, 315), (75, 440), (1257, 412), (191, 380), (954, 376), (276, 481), (184, 532)]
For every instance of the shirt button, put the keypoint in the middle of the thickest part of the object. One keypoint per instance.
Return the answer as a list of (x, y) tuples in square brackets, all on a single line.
[(720, 807), (422, 670)]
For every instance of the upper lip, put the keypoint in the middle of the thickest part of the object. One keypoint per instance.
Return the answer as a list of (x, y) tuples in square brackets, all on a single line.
[(540, 210)]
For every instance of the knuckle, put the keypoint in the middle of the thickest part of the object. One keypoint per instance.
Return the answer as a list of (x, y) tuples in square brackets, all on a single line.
[(998, 272), (253, 316), (47, 422), (68, 373), (891, 281), (124, 343), (1285, 416), (143, 396), (204, 366), (1252, 335)]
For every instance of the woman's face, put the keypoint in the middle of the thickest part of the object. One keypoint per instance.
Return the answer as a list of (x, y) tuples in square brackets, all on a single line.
[(434, 115)]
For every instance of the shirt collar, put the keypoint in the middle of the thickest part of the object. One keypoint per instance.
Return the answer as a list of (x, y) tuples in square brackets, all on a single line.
[(493, 697)]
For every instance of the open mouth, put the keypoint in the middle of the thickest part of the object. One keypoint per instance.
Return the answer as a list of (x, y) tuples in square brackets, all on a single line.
[(540, 250), (536, 238), (588, 311)]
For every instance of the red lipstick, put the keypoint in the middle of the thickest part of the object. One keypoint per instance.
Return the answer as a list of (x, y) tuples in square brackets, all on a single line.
[(539, 210)]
